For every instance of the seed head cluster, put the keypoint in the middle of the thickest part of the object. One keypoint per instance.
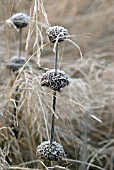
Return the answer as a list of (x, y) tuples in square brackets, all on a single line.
[(53, 81), (19, 20), (56, 32), (51, 152), (15, 63)]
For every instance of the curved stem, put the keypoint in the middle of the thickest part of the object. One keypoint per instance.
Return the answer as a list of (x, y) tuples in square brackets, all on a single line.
[(20, 43)]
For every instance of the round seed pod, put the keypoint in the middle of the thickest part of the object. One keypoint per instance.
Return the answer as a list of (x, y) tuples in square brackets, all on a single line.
[(15, 63), (55, 82), (51, 152), (19, 20), (56, 32)]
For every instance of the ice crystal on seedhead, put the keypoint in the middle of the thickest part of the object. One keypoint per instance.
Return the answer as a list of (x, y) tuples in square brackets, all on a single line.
[(55, 81), (58, 33), (51, 152), (19, 20)]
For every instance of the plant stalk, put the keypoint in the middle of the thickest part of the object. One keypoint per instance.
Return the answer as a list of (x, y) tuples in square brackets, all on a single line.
[(20, 43), (53, 119), (56, 60), (54, 99)]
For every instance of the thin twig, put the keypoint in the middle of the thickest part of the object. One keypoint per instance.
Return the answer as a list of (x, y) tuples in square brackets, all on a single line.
[(99, 151), (21, 168), (76, 46), (80, 162)]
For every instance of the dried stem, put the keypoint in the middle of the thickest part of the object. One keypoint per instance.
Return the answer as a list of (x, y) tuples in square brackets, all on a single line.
[(14, 116), (20, 43), (56, 59), (54, 98), (53, 118)]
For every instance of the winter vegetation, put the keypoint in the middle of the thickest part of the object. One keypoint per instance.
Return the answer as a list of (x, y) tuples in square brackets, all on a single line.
[(57, 85)]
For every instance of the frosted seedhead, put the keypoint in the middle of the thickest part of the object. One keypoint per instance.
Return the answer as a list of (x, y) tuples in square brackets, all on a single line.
[(55, 82), (15, 63), (51, 152), (58, 33), (19, 20)]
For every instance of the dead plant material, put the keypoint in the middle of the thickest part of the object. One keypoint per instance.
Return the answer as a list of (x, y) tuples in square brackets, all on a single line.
[(55, 82), (90, 91)]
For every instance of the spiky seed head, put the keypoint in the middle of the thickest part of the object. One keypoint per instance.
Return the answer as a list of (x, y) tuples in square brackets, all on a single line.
[(51, 152), (19, 20), (56, 32), (53, 81), (15, 63)]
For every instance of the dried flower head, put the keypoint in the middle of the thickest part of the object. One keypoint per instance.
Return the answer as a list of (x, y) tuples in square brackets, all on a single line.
[(19, 20), (15, 63), (51, 152), (56, 33), (55, 81)]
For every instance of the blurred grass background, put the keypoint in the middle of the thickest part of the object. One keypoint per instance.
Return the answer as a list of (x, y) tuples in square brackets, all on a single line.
[(92, 86)]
